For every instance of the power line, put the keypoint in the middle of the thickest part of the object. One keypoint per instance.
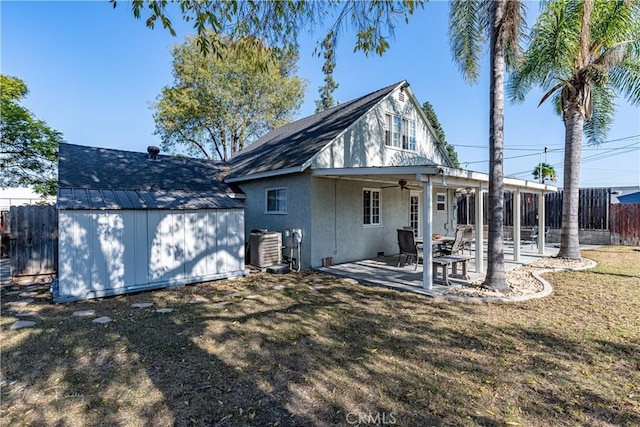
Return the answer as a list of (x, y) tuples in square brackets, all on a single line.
[(594, 157), (548, 145)]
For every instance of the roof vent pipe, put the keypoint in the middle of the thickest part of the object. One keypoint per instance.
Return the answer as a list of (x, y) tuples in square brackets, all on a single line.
[(153, 152)]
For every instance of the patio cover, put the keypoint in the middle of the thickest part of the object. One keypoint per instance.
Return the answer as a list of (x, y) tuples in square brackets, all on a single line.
[(444, 177)]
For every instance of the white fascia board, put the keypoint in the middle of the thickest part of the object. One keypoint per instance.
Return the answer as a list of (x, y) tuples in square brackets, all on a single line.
[(374, 170), (452, 177), (268, 174), (310, 161), (509, 183)]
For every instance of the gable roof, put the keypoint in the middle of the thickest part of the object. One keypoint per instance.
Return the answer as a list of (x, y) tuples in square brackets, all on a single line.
[(294, 144), (101, 178)]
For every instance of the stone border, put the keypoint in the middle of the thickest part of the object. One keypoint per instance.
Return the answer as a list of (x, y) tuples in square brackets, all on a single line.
[(547, 289)]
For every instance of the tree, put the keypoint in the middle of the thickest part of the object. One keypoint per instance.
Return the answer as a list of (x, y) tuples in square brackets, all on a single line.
[(219, 103), (28, 146), (470, 24), (326, 90), (583, 53), (437, 127), (544, 171), (278, 23)]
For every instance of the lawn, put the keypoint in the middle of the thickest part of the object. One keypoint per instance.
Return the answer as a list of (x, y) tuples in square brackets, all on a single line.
[(308, 349)]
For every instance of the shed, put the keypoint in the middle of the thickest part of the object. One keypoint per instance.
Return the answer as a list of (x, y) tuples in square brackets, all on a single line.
[(131, 221)]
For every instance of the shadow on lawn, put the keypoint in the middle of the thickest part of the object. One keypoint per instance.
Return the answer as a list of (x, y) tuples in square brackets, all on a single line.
[(304, 357), (124, 373)]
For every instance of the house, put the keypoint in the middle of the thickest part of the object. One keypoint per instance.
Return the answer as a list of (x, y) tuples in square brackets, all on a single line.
[(347, 177), (132, 221), (352, 175)]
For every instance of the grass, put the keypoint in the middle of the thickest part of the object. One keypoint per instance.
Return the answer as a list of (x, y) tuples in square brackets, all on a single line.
[(283, 353)]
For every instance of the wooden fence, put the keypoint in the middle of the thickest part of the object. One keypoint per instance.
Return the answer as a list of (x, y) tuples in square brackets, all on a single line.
[(624, 223), (592, 213), (33, 235)]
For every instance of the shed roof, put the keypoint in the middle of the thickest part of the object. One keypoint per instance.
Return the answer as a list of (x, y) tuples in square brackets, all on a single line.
[(101, 178), (294, 144)]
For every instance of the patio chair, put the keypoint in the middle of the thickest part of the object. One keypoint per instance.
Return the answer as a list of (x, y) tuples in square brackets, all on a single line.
[(456, 246), (467, 236), (534, 235), (408, 247)]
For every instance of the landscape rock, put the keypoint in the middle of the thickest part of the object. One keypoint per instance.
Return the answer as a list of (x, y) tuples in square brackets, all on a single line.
[(22, 324), (83, 313)]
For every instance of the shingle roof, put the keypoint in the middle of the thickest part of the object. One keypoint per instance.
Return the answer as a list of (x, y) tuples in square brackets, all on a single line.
[(294, 144), (101, 178)]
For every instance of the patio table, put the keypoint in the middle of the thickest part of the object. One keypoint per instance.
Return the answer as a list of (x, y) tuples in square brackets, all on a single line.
[(442, 241)]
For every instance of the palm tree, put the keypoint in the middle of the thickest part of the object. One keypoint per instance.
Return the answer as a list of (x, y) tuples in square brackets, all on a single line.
[(544, 171), (471, 23), (584, 54)]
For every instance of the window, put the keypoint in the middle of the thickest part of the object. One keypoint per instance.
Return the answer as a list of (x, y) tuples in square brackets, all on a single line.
[(414, 213), (399, 132), (412, 135), (397, 123), (441, 202), (387, 129), (405, 141), (371, 207), (276, 201)]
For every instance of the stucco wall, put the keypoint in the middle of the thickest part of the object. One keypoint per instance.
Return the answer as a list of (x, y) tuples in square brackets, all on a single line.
[(298, 208), (338, 229), (363, 145)]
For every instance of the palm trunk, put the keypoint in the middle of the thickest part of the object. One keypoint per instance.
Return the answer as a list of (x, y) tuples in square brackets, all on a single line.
[(495, 254), (569, 239)]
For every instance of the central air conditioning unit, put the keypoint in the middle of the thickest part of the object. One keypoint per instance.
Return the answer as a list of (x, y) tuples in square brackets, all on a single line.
[(264, 248)]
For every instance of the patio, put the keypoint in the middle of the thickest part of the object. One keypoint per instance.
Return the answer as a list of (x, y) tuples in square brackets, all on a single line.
[(383, 270)]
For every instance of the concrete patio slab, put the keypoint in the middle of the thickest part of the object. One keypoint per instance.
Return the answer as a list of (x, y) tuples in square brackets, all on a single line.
[(383, 271)]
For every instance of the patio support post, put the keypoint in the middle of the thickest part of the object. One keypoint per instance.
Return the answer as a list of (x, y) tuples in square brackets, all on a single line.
[(516, 225), (479, 232), (427, 220), (541, 224)]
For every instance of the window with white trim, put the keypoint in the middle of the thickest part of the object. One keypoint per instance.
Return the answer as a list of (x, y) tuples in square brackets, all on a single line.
[(397, 130), (412, 135), (371, 207), (387, 129), (441, 202), (276, 201)]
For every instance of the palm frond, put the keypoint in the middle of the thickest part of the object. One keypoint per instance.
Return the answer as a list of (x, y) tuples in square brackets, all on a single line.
[(625, 78), (612, 22), (597, 128), (468, 32), (551, 92), (514, 27)]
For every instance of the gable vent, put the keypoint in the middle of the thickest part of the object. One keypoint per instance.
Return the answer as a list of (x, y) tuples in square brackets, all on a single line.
[(401, 96)]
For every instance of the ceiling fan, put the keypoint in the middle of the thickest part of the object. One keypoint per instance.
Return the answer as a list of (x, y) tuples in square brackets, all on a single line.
[(401, 183)]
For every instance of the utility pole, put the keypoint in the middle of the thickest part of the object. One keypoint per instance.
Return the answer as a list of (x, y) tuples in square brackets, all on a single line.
[(541, 175)]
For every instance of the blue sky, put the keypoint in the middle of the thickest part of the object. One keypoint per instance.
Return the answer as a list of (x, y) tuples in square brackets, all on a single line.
[(93, 71)]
